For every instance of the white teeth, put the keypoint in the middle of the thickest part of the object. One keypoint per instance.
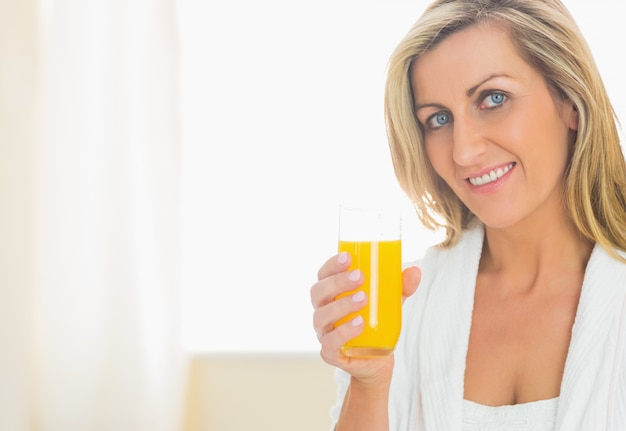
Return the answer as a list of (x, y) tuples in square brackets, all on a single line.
[(490, 176)]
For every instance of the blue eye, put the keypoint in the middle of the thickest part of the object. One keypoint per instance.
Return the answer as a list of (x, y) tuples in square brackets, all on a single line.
[(493, 100), (438, 120)]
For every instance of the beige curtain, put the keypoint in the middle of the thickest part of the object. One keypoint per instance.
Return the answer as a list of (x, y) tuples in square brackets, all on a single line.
[(89, 216)]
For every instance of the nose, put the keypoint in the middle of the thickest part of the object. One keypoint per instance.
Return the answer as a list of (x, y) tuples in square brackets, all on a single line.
[(469, 144)]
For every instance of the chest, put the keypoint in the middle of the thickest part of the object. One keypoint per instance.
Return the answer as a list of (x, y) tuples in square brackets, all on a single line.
[(518, 343)]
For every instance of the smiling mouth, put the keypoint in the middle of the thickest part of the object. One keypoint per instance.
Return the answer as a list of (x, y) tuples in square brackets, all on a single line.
[(490, 176)]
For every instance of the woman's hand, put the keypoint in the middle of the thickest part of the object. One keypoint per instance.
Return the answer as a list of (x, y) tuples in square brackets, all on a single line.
[(333, 280)]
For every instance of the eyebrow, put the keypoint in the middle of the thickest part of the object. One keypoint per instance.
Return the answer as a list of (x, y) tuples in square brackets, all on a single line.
[(470, 92)]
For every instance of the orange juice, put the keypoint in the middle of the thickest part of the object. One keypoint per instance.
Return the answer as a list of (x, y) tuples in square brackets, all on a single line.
[(381, 265)]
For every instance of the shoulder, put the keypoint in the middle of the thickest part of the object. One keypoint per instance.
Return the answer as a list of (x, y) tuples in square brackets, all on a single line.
[(447, 270), (436, 258), (609, 265)]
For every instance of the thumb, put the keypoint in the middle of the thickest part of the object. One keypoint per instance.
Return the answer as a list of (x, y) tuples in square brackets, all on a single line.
[(411, 277)]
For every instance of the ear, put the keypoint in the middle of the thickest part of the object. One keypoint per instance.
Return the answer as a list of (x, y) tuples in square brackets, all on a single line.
[(572, 120)]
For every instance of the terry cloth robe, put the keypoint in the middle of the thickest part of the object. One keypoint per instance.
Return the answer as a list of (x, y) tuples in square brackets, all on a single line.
[(427, 384)]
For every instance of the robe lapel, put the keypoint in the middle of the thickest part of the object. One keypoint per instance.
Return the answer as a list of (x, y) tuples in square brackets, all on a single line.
[(588, 378), (445, 332)]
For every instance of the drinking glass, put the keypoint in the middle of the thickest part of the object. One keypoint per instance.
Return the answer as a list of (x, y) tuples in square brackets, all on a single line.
[(372, 236)]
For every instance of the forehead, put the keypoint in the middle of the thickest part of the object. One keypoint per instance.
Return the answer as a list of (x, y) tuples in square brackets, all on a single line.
[(464, 58)]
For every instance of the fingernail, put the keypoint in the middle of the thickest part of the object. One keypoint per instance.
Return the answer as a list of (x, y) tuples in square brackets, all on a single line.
[(357, 321), (355, 275), (359, 296), (342, 257)]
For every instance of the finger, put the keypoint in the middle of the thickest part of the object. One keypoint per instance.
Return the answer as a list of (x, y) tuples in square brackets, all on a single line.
[(338, 263), (325, 318), (325, 291), (333, 340), (411, 278)]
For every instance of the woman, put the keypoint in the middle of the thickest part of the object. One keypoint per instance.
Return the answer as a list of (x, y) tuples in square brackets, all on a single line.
[(501, 133)]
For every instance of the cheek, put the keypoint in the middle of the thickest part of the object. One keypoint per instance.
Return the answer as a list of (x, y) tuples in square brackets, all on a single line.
[(548, 141), (440, 157), (527, 136)]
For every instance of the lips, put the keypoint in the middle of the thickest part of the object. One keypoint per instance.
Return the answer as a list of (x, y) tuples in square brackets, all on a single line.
[(490, 176)]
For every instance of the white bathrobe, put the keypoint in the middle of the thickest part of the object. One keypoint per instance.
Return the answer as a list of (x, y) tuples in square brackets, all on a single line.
[(427, 384)]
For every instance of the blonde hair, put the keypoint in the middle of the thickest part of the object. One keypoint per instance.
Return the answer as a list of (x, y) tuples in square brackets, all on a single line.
[(547, 37)]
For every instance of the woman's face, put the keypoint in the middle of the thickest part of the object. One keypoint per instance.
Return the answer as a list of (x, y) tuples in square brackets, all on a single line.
[(492, 130)]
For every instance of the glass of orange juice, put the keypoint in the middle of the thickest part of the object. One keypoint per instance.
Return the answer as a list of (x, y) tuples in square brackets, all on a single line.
[(372, 236)]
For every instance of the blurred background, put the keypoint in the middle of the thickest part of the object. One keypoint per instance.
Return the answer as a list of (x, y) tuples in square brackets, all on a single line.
[(170, 176)]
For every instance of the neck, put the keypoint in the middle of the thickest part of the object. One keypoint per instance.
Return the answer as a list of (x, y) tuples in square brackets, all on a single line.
[(527, 255)]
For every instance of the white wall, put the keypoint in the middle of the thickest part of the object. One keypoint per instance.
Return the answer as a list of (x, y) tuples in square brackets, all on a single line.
[(282, 120)]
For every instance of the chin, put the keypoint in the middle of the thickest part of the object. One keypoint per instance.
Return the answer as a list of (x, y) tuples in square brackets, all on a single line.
[(498, 221)]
